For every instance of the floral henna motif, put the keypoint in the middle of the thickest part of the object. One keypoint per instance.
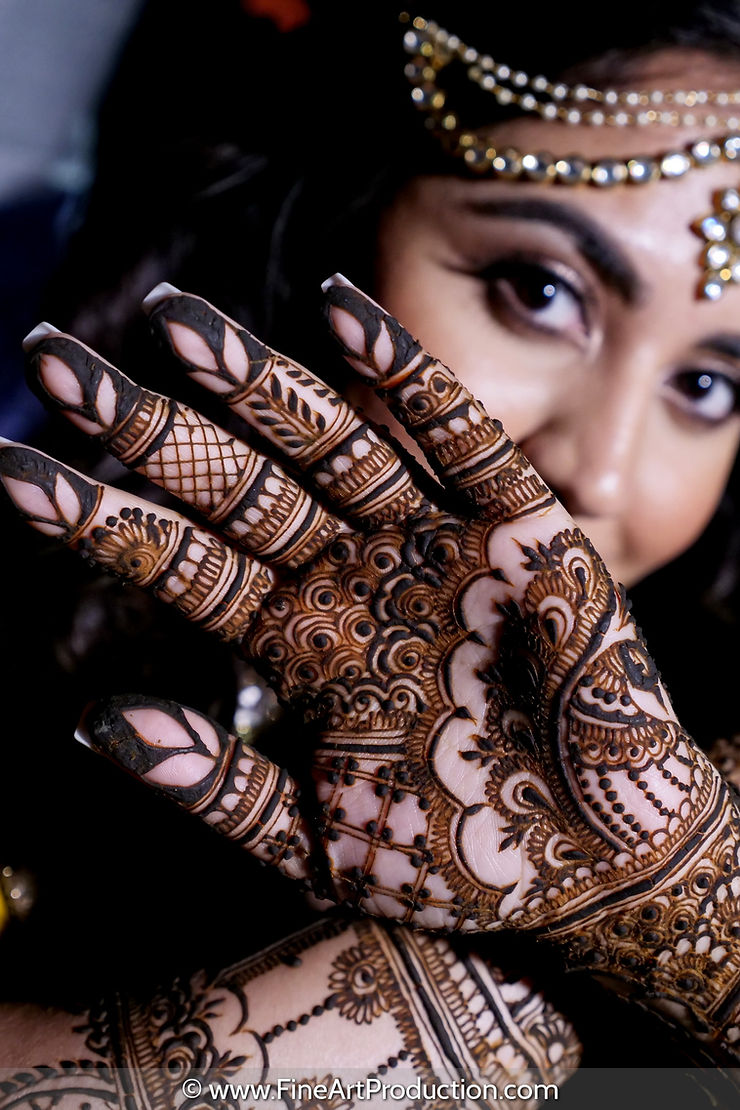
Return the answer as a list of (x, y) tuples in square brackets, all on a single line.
[(210, 583), (247, 495), (361, 983), (427, 1011), (493, 746), (424, 730)]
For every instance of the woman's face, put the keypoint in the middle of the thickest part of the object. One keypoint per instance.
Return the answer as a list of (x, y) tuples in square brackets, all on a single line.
[(572, 313)]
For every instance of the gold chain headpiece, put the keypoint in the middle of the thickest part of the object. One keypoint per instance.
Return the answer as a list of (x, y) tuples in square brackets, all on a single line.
[(432, 49)]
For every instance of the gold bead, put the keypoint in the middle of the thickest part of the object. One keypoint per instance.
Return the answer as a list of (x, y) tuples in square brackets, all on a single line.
[(507, 163), (608, 172)]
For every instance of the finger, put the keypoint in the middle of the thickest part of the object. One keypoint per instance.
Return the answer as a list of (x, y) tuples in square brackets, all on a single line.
[(468, 450), (210, 773), (357, 472), (249, 497), (210, 583)]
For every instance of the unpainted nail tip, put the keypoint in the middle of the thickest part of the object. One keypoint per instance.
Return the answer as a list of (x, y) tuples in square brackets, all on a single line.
[(82, 736), (336, 279), (8, 442), (38, 333), (158, 294)]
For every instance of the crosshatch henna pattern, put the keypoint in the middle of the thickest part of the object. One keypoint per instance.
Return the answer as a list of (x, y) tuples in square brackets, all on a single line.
[(493, 745), (423, 1010), (249, 497)]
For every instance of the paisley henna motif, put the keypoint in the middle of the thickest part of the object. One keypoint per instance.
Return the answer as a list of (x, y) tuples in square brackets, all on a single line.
[(493, 745)]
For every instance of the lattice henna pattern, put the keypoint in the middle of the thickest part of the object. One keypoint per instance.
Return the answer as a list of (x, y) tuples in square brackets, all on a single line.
[(494, 746)]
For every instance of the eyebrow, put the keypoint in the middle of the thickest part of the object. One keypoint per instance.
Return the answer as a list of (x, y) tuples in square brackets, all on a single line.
[(597, 247), (725, 344)]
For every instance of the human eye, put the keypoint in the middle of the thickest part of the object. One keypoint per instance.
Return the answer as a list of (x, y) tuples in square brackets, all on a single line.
[(534, 296), (709, 396)]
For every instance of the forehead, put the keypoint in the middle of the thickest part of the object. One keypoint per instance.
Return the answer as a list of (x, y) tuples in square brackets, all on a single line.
[(653, 227), (657, 222)]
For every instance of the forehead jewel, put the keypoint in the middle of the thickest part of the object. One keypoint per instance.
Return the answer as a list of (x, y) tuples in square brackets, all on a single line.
[(432, 51)]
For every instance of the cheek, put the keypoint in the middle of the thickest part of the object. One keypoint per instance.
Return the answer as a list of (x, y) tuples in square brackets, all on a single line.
[(676, 497), (517, 382)]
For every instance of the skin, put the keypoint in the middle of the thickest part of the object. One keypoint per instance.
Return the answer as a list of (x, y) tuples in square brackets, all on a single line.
[(494, 746), (296, 1012), (599, 411), (597, 385)]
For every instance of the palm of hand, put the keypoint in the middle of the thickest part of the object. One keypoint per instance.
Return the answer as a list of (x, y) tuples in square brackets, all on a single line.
[(493, 742)]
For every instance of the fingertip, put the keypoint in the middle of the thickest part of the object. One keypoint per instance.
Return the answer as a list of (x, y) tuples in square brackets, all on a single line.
[(158, 294), (82, 736), (41, 331), (336, 279)]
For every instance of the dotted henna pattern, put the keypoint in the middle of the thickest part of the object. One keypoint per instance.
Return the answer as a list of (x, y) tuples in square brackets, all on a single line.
[(493, 745), (427, 1012)]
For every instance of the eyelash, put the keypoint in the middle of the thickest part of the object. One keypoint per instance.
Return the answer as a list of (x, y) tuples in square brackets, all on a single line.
[(507, 278), (699, 384)]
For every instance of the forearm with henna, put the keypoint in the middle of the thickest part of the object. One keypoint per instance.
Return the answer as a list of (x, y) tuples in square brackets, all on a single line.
[(338, 1001)]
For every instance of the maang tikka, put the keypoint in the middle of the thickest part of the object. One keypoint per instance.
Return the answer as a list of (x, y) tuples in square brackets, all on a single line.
[(432, 49)]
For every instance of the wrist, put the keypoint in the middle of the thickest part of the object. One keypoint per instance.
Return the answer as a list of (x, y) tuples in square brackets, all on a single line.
[(670, 936)]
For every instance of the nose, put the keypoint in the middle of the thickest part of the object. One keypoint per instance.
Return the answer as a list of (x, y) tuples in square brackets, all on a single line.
[(589, 449)]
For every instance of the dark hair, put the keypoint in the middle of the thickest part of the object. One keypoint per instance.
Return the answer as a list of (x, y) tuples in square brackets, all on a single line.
[(247, 165), (250, 160)]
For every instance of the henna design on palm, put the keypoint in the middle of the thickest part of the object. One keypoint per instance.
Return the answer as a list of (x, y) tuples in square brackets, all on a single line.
[(493, 745), (426, 1011)]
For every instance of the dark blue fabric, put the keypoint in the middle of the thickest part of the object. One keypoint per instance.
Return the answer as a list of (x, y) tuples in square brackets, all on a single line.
[(33, 234)]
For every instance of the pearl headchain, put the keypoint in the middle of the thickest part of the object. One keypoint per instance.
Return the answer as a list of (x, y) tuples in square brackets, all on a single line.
[(572, 104), (432, 48)]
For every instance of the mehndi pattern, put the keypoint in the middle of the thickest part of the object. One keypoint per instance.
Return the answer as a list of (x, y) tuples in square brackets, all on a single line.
[(428, 1014), (493, 746)]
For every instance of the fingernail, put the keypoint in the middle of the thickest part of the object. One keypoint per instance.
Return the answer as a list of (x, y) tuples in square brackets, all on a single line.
[(159, 293), (336, 279), (82, 735), (102, 728), (339, 281), (39, 332)]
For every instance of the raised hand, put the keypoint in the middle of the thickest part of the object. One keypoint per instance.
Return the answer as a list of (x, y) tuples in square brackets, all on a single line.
[(492, 742)]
